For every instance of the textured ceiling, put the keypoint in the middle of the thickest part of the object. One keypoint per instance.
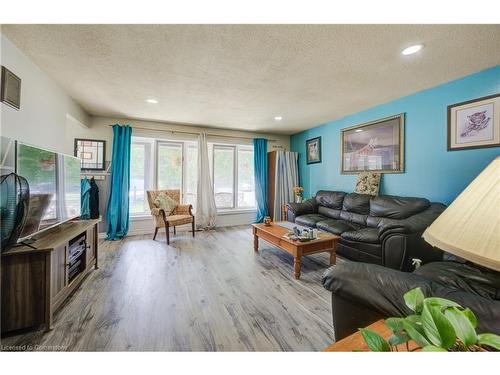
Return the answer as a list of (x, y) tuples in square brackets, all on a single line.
[(241, 76)]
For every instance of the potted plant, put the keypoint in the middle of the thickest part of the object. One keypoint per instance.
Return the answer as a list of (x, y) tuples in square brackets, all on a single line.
[(437, 324), (298, 190)]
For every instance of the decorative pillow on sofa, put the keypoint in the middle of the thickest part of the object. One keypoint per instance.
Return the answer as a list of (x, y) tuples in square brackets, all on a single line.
[(368, 183), (165, 203)]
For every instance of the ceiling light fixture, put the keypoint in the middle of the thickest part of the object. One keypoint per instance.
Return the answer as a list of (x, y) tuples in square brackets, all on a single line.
[(278, 118), (358, 130), (152, 101), (412, 49)]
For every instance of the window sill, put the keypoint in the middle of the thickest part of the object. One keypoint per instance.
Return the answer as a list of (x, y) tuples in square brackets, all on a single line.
[(139, 217), (236, 211), (228, 211)]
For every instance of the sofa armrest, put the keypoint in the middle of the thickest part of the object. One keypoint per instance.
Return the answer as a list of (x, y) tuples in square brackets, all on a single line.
[(380, 290), (297, 209), (375, 287), (413, 224), (155, 211)]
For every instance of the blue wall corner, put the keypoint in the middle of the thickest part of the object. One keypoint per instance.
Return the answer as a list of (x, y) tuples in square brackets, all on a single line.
[(430, 170)]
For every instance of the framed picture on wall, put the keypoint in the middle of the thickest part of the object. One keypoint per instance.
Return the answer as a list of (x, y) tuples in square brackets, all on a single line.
[(313, 150), (376, 146), (92, 153), (10, 90), (474, 124)]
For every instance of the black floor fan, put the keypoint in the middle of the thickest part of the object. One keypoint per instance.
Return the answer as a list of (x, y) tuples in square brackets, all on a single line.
[(14, 204)]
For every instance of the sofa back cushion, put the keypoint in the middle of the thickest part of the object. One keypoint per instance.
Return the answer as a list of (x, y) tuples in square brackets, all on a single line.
[(357, 203), (329, 212), (353, 217), (330, 199), (399, 208)]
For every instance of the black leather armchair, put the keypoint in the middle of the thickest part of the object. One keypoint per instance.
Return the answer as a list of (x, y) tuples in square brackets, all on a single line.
[(385, 230), (363, 293)]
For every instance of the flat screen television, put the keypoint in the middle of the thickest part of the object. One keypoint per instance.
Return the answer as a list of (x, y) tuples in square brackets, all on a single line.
[(54, 183)]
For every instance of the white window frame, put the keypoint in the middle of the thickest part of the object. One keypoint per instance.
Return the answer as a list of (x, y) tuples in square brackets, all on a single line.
[(235, 149), (151, 171)]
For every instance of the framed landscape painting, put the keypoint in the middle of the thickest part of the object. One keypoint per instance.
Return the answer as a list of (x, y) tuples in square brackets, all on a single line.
[(377, 146), (474, 124), (313, 150)]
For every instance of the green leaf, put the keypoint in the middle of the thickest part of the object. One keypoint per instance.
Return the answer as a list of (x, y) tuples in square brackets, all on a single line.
[(440, 302), (462, 326), (374, 341), (432, 348), (395, 340), (437, 328), (395, 324), (489, 339), (416, 332), (470, 315), (414, 318), (414, 299)]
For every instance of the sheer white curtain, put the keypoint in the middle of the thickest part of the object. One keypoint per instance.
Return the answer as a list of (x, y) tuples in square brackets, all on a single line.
[(206, 212), (286, 178)]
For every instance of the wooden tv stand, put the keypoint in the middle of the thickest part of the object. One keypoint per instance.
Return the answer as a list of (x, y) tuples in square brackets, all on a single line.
[(35, 282)]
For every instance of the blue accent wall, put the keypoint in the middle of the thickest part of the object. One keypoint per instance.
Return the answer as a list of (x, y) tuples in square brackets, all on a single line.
[(430, 170)]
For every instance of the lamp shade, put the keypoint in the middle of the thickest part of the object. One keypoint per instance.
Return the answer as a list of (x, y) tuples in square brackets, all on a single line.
[(470, 226)]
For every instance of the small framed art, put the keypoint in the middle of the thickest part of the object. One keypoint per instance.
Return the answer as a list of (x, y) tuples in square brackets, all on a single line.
[(10, 91), (313, 150), (474, 124), (92, 153)]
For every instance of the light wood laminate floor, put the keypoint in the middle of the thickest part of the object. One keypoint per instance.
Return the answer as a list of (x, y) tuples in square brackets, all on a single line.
[(210, 293)]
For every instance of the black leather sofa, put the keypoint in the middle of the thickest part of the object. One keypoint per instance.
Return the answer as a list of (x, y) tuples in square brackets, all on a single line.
[(385, 230), (363, 293)]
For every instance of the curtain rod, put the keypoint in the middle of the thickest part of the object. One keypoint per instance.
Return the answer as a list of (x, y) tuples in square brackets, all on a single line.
[(194, 133)]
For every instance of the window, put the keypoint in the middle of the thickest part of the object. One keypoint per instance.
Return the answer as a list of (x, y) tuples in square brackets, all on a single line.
[(169, 166), (164, 164), (233, 177), (140, 177), (246, 184), (158, 164)]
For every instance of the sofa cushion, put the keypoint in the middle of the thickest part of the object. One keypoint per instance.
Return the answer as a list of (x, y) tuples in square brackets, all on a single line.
[(337, 226), (353, 217), (329, 212), (463, 276), (369, 235), (357, 203), (309, 220), (330, 199), (397, 207)]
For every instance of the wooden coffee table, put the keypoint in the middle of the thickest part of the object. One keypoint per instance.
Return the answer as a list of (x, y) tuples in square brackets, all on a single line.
[(274, 234)]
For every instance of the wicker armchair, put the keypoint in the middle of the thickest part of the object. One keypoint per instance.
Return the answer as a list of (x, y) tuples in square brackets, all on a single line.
[(181, 215)]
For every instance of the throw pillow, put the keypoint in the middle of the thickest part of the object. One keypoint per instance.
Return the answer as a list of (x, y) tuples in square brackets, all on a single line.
[(368, 183), (165, 203)]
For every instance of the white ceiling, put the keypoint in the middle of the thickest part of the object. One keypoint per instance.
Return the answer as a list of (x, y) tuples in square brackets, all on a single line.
[(241, 76)]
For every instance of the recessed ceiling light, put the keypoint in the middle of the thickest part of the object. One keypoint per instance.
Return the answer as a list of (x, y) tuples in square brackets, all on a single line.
[(358, 130), (152, 101), (412, 49), (278, 118)]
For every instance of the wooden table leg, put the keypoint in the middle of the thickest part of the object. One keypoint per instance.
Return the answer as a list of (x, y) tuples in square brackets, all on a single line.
[(296, 267), (333, 257), (255, 242)]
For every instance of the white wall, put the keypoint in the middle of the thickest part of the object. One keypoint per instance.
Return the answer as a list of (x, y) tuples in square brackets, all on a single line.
[(51, 119), (42, 118)]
